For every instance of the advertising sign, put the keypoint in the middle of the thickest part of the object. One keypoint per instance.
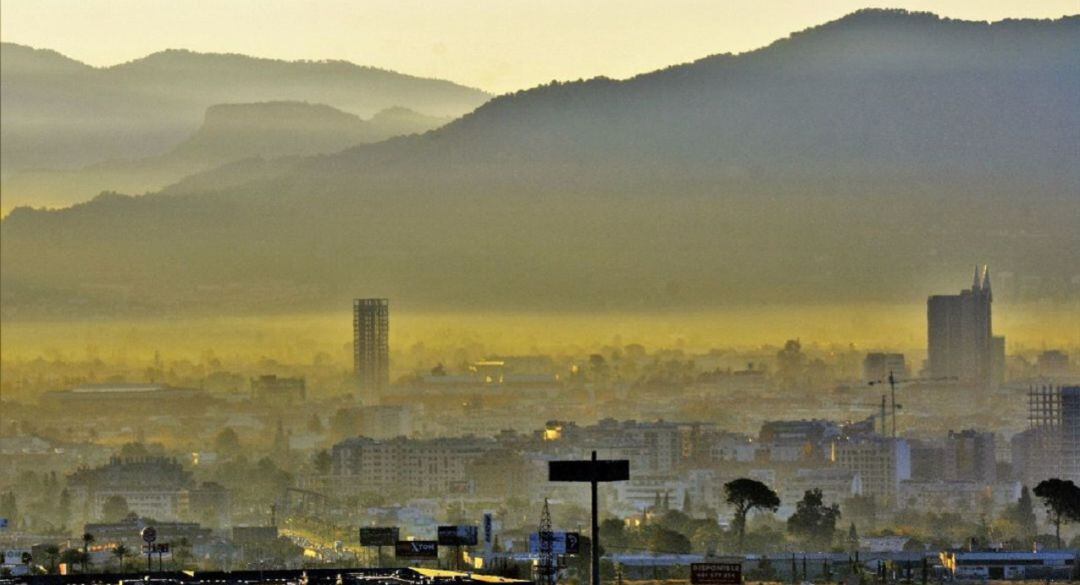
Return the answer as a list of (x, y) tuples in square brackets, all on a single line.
[(416, 549), (457, 535), (603, 470), (379, 536), (715, 573), (487, 527), (562, 543)]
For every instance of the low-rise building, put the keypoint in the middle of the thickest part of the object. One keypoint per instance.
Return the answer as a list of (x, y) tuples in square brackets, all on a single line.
[(1010, 565)]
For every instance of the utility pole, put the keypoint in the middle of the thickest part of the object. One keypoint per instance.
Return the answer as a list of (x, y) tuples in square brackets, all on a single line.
[(595, 529)]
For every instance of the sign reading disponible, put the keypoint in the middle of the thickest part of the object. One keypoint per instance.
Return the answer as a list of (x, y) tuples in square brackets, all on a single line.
[(715, 573)]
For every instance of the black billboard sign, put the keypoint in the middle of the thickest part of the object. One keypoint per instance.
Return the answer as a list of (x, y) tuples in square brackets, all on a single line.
[(416, 549), (378, 536), (600, 470), (457, 535)]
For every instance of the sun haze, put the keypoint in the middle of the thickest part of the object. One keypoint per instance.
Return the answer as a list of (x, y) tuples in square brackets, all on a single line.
[(495, 45)]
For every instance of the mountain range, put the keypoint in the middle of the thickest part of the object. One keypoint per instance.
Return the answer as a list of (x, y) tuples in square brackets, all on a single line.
[(60, 113), (229, 133), (860, 160)]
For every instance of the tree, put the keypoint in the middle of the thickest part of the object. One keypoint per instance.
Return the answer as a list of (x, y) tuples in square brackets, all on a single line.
[(132, 450), (1025, 515), (614, 531), (227, 441), (748, 495), (664, 540), (52, 554), (322, 462), (120, 552), (87, 538), (1062, 501), (814, 522), (115, 508)]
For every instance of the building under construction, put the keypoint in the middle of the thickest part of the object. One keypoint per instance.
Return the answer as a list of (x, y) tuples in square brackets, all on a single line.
[(1051, 445)]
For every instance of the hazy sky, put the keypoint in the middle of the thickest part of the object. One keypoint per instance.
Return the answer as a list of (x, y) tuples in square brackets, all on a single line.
[(497, 45)]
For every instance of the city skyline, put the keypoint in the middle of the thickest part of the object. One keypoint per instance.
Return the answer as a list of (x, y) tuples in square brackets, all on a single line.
[(526, 292)]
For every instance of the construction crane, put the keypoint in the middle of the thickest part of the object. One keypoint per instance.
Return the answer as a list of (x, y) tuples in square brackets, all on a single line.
[(893, 381), (883, 417)]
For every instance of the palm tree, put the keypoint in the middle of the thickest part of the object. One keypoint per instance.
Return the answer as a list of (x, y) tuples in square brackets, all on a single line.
[(87, 538), (120, 551), (52, 554)]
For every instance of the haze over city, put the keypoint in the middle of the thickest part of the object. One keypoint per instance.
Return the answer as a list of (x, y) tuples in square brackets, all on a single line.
[(476, 292)]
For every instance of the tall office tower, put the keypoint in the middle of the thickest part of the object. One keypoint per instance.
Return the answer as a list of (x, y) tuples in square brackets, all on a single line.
[(371, 344), (960, 335)]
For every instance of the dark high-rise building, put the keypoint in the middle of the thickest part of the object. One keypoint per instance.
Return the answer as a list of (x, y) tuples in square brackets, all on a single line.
[(371, 343), (960, 335)]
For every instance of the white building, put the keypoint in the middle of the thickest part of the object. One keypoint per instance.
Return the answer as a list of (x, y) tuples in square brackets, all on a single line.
[(880, 462)]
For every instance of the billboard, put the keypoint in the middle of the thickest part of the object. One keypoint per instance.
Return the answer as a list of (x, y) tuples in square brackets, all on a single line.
[(379, 536), (416, 549), (602, 470), (715, 573), (457, 535), (562, 543)]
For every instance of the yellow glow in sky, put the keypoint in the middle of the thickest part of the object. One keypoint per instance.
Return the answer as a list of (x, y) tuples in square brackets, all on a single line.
[(497, 45)]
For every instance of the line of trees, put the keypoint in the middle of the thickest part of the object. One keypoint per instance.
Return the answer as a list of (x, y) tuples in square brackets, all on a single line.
[(814, 522)]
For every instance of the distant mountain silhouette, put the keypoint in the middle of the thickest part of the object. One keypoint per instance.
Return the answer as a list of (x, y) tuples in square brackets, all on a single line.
[(59, 113), (855, 161), (229, 133)]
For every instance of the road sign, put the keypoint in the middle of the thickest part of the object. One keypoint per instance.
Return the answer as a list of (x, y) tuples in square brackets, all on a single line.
[(602, 470), (161, 548), (379, 536), (416, 549), (562, 543), (149, 534), (457, 535), (715, 573)]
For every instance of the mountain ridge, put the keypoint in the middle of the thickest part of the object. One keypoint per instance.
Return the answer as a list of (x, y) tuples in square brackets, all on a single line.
[(229, 133), (726, 179), (60, 113)]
